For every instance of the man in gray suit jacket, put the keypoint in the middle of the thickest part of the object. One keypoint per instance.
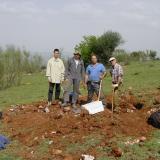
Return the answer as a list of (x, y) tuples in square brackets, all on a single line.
[(74, 74)]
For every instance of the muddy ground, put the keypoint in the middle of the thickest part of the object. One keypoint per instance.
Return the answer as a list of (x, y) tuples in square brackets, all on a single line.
[(30, 125)]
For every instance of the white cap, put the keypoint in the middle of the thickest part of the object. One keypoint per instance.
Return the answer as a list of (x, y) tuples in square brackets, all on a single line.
[(77, 52), (112, 58)]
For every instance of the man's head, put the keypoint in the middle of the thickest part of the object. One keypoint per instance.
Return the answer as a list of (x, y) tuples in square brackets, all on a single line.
[(77, 55), (56, 53), (113, 61), (94, 59)]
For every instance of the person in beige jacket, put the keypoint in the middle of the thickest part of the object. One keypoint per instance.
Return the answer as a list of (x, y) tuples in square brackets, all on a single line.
[(55, 73)]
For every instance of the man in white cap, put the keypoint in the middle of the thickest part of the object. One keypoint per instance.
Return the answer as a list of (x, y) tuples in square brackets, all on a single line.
[(117, 75)]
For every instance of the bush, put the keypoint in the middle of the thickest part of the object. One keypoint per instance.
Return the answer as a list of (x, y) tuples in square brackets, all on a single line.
[(13, 63), (122, 56), (10, 67), (103, 46)]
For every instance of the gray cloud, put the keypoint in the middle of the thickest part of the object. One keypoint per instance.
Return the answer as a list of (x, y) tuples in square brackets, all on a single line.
[(42, 25)]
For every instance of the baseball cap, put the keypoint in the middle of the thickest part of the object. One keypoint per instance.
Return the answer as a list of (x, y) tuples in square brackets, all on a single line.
[(111, 59)]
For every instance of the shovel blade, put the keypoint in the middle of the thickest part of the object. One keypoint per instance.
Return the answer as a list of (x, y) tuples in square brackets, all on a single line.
[(94, 107)]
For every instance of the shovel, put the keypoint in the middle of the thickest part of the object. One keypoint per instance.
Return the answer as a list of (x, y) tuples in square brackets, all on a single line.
[(112, 105), (96, 106), (113, 122)]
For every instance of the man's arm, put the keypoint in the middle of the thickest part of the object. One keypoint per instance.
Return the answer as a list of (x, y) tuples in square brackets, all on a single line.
[(67, 70), (83, 72), (120, 70), (62, 71), (86, 76), (104, 73), (110, 72), (48, 71)]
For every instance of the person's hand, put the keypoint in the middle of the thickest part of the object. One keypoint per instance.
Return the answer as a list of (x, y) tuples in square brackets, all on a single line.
[(62, 81), (101, 77), (66, 80), (114, 86), (120, 80), (85, 85), (49, 79)]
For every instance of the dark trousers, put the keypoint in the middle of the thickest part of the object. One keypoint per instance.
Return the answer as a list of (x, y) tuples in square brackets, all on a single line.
[(93, 87), (50, 91)]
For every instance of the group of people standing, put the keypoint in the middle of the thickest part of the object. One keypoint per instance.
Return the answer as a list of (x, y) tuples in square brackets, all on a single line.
[(73, 73)]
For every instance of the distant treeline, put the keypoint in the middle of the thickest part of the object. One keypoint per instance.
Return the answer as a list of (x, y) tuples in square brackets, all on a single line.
[(141, 56), (14, 62), (105, 46)]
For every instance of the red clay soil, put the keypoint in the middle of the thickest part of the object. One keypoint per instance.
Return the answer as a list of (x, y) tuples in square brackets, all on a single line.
[(29, 124)]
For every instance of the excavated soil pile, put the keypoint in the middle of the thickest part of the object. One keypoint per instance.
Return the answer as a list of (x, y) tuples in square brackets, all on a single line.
[(30, 125)]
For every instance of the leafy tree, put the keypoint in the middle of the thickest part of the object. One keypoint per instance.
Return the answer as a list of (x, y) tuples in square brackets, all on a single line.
[(103, 46), (87, 47)]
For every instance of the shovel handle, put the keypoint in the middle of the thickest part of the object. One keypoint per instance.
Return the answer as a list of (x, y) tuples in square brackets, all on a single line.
[(100, 88), (113, 92)]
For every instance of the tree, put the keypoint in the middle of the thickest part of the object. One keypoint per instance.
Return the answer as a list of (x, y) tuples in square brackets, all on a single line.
[(139, 56), (122, 56), (87, 47), (14, 62), (103, 46), (152, 55)]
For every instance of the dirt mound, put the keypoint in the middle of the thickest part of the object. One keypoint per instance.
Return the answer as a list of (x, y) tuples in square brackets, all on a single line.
[(30, 125), (157, 99)]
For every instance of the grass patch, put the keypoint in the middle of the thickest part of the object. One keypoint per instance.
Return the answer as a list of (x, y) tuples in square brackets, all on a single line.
[(149, 149), (9, 157), (42, 149), (89, 142), (33, 88), (12, 151), (141, 77)]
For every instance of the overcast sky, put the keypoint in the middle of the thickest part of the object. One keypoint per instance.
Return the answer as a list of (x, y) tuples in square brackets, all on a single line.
[(40, 25)]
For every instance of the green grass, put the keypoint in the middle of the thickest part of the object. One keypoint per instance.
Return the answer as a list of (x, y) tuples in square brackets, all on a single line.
[(150, 148), (42, 149), (33, 88), (89, 142), (142, 77), (12, 150)]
